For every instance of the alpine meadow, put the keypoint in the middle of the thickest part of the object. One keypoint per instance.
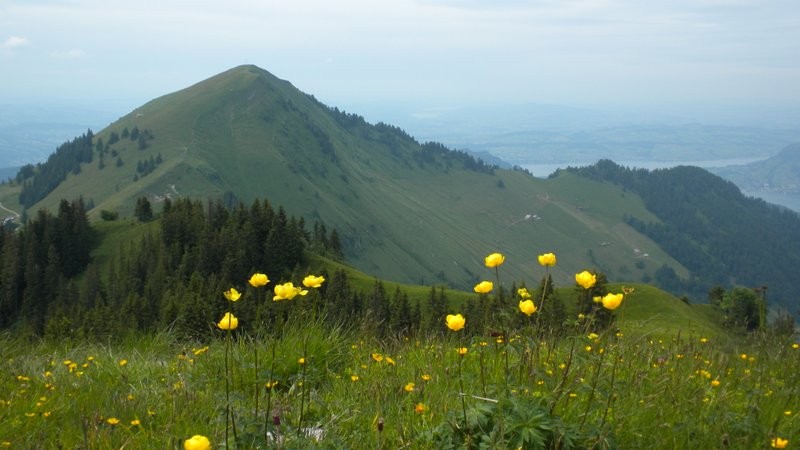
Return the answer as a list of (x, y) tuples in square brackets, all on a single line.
[(238, 265)]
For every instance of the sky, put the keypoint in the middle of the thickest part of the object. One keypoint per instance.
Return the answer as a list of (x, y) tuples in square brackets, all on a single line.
[(714, 54)]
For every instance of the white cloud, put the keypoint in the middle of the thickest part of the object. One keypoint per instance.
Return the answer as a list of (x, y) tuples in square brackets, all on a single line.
[(14, 42)]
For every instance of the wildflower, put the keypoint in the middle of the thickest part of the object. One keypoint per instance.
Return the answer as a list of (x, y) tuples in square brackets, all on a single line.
[(228, 322), (123, 362), (271, 384), (586, 279), (743, 356), (588, 348), (715, 383), (313, 281), (354, 378), (462, 351), (612, 301), (301, 361), (787, 412), (527, 307), (287, 291), (258, 280), (523, 293), (197, 442), (420, 408), (581, 316), (592, 336), (795, 346), (779, 443), (390, 361), (484, 287), (409, 387), (455, 322), (547, 259), (112, 421), (232, 294), (377, 357), (425, 377), (703, 340), (597, 299), (494, 260), (136, 422)]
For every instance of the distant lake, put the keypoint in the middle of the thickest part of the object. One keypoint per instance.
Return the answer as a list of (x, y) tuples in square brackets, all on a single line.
[(545, 169)]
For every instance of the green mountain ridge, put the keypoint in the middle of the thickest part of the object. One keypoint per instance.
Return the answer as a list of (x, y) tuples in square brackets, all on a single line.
[(406, 211)]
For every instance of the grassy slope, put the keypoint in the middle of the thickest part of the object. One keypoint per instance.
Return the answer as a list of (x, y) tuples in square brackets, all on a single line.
[(247, 132)]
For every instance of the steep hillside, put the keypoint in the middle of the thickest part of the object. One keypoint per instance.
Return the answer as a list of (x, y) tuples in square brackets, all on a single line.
[(405, 211), (707, 224)]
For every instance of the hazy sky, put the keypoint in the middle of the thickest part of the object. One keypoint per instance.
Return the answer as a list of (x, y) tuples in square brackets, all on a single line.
[(419, 52)]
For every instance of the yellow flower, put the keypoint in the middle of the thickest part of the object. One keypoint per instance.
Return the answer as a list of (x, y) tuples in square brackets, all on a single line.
[(795, 346), (779, 443), (612, 301), (527, 307), (715, 383), (135, 422), (409, 387), (258, 280), (420, 408), (301, 361), (287, 291), (597, 299), (484, 287), (353, 378), (390, 361), (592, 336), (494, 260), (112, 421), (425, 377), (123, 362), (455, 322), (523, 293), (547, 260), (232, 294), (377, 357), (462, 351), (586, 279), (313, 281), (197, 442), (228, 322), (271, 384)]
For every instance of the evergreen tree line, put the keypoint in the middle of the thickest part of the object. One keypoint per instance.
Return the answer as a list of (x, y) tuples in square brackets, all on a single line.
[(42, 179), (709, 226), (39, 260)]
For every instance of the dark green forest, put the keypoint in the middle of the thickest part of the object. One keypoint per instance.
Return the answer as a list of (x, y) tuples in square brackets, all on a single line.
[(169, 279), (723, 237)]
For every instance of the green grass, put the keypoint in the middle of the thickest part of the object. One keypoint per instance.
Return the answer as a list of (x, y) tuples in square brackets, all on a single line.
[(621, 389)]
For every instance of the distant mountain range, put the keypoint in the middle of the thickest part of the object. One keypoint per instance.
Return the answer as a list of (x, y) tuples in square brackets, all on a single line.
[(406, 211), (775, 179)]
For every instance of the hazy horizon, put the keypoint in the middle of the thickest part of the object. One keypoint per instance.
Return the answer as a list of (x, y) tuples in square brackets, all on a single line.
[(712, 58)]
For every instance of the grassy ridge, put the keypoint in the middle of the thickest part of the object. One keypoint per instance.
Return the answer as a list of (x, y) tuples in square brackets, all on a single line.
[(247, 133)]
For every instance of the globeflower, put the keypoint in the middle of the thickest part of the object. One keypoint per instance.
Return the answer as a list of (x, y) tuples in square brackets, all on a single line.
[(258, 280), (287, 291), (494, 260), (455, 322), (586, 279), (612, 301), (484, 287), (527, 307), (779, 443), (228, 322), (232, 294), (547, 259), (197, 442), (313, 281)]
